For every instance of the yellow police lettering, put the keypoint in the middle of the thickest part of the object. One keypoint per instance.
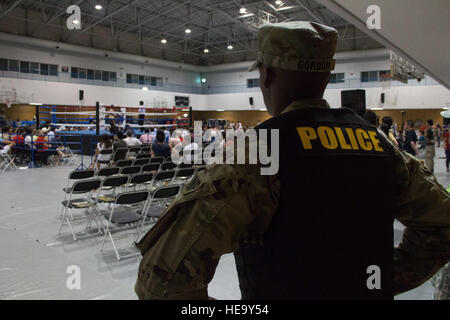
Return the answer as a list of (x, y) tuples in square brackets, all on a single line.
[(352, 138), (327, 137), (341, 138), (306, 135), (362, 136), (375, 141)]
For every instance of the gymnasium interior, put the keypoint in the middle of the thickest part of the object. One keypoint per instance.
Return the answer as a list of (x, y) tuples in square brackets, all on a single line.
[(72, 71)]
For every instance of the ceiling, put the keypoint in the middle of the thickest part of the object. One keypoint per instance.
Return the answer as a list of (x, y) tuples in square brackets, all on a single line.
[(138, 26)]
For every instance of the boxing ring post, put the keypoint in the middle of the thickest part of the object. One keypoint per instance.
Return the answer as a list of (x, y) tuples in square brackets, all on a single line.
[(37, 118), (97, 118)]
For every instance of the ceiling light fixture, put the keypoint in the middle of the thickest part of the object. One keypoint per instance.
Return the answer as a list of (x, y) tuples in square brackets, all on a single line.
[(206, 50), (242, 11), (230, 47), (75, 21), (98, 7), (203, 80), (164, 41), (278, 2), (187, 30), (145, 88)]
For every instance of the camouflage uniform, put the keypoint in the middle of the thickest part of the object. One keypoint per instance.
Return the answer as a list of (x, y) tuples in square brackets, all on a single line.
[(441, 283), (226, 205)]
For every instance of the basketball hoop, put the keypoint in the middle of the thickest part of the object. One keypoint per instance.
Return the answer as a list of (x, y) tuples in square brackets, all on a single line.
[(385, 80)]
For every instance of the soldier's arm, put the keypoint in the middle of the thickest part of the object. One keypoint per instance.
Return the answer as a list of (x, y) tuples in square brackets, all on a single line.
[(423, 207), (208, 220)]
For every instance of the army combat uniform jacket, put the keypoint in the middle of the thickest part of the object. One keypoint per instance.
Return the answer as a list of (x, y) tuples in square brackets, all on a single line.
[(233, 208)]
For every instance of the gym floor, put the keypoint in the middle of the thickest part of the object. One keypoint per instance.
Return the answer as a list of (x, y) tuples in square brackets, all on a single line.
[(35, 260)]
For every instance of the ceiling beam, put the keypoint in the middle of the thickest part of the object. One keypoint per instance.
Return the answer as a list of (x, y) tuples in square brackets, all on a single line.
[(10, 8), (118, 10)]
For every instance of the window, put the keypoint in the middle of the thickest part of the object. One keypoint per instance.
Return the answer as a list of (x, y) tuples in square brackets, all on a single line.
[(105, 75), (97, 75), (24, 67), (4, 64), (156, 81), (337, 78), (147, 80), (369, 76), (44, 69), (141, 80), (53, 70), (90, 74), (35, 68), (14, 65), (129, 78), (82, 73), (74, 72), (113, 76), (135, 79), (252, 83)]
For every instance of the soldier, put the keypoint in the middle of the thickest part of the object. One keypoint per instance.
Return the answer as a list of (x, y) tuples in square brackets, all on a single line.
[(429, 146), (293, 237)]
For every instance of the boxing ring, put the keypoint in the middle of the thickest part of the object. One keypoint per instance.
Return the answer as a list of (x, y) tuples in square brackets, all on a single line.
[(79, 128)]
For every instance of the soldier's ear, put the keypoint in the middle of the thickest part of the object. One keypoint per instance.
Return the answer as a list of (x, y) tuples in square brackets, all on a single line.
[(266, 76)]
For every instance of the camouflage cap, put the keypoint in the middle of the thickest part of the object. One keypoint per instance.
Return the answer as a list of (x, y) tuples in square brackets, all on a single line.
[(297, 45)]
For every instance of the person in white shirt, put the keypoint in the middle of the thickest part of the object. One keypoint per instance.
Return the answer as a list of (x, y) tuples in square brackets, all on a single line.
[(131, 141), (141, 113)]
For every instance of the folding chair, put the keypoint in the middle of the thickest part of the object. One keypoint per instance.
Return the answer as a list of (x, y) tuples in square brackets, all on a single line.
[(129, 171), (143, 156), (157, 160), (9, 161), (184, 174), (164, 177), (80, 187), (141, 162), (146, 150), (183, 165), (162, 195), (140, 179), (106, 172), (134, 151), (124, 163), (125, 217), (119, 154), (76, 175), (111, 184), (151, 167), (168, 166)]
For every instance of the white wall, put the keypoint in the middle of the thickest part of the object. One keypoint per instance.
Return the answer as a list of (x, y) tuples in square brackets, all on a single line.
[(67, 94), (406, 97)]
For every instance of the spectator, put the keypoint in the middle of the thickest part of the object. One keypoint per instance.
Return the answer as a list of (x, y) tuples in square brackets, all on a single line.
[(175, 137), (160, 148), (386, 127), (104, 144), (446, 140), (120, 143), (6, 146), (131, 141), (410, 139), (146, 138), (438, 134)]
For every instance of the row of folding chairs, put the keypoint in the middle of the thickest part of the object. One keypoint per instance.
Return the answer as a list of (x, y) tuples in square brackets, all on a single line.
[(129, 208)]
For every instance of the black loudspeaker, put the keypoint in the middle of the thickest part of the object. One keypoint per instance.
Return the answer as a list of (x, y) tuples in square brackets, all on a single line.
[(382, 98), (354, 100), (251, 100), (81, 94)]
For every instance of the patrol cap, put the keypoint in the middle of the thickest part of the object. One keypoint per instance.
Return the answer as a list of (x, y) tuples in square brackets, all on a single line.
[(297, 45)]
